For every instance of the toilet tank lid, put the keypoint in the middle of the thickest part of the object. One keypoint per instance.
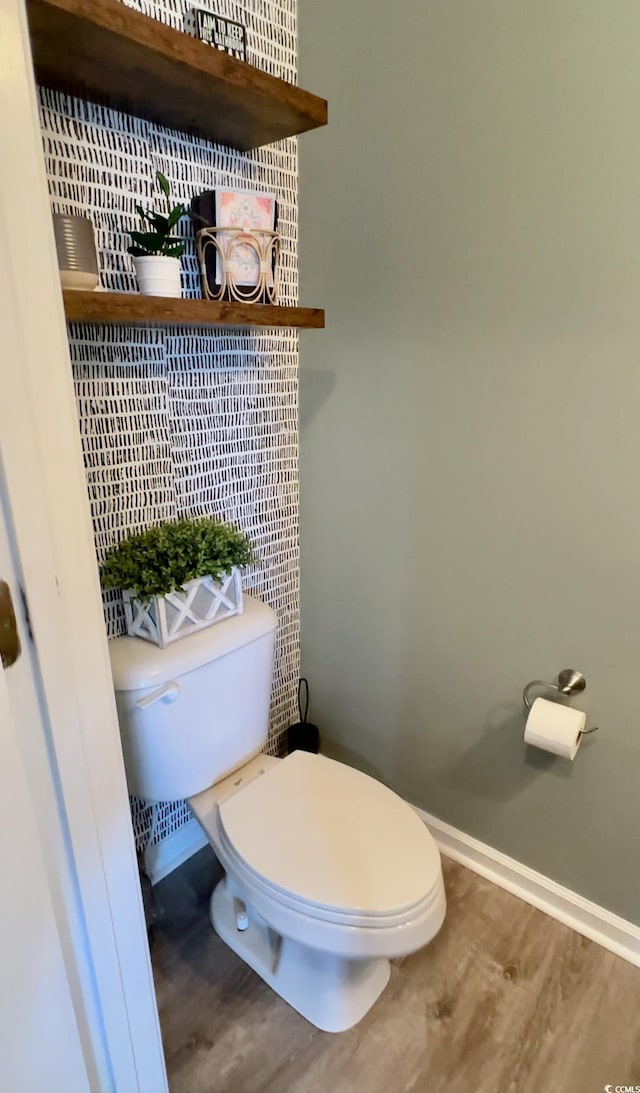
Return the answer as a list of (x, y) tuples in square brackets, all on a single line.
[(137, 664)]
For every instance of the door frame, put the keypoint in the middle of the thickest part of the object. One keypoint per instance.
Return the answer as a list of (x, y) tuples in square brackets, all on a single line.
[(45, 497)]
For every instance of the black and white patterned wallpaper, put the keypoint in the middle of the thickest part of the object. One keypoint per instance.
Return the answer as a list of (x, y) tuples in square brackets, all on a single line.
[(187, 421)]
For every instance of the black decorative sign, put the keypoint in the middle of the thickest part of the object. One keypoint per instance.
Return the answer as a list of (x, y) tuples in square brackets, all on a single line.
[(221, 33)]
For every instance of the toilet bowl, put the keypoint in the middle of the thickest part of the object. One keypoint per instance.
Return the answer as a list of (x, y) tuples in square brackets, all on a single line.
[(328, 873)]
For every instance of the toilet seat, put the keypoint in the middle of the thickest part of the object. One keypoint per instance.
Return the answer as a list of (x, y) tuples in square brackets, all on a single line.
[(286, 902), (329, 842)]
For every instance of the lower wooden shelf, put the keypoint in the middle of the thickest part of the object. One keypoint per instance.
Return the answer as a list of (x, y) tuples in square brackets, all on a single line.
[(128, 308)]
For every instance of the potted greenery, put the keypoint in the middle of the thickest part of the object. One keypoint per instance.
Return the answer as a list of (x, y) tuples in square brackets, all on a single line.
[(156, 251), (177, 578)]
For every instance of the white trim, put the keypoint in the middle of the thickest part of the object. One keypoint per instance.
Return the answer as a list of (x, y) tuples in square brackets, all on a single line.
[(587, 918), (163, 857)]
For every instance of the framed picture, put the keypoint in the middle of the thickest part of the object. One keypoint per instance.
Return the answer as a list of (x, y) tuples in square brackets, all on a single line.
[(250, 210), (224, 34)]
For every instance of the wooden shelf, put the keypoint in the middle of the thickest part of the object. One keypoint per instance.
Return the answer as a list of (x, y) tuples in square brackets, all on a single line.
[(103, 51), (131, 308)]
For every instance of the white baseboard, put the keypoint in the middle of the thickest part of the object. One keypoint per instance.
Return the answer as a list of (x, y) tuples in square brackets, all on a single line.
[(594, 922), (163, 857)]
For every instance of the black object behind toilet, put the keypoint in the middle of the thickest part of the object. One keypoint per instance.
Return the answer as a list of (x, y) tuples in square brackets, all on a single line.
[(303, 736)]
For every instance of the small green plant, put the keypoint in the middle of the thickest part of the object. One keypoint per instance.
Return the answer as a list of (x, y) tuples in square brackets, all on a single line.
[(163, 558), (158, 240)]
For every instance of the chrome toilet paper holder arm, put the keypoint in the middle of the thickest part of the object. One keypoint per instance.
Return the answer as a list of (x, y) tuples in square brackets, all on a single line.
[(570, 682)]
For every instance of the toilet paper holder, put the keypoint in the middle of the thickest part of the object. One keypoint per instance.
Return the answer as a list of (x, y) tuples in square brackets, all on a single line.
[(570, 682)]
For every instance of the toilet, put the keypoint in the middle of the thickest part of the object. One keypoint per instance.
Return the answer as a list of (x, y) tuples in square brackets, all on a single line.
[(328, 873)]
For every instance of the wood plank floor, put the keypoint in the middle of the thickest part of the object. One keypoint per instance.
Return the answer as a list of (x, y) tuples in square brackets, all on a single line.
[(504, 1000)]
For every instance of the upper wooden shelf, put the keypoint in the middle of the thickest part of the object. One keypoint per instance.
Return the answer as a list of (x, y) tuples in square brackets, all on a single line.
[(124, 307), (103, 51)]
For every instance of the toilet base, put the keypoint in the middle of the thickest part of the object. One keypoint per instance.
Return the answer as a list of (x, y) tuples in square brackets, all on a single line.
[(329, 991)]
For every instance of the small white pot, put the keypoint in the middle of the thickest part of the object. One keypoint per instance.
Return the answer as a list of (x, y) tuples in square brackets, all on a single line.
[(158, 275)]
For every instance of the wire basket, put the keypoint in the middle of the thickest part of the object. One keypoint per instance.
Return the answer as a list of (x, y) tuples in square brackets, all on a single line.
[(239, 265)]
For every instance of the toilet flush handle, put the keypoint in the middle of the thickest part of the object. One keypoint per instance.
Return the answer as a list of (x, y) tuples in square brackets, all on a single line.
[(169, 692)]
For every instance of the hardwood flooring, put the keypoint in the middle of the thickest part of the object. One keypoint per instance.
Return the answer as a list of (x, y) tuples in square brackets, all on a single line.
[(504, 1000)]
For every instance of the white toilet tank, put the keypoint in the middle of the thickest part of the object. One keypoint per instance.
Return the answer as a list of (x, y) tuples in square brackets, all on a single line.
[(195, 711)]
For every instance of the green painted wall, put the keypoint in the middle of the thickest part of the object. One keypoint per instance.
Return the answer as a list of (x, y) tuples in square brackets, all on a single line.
[(470, 420)]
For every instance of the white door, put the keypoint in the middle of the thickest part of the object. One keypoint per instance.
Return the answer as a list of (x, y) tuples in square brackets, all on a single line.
[(40, 1046), (71, 905)]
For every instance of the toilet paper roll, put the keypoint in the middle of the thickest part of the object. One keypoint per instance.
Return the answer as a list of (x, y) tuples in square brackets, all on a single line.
[(555, 728)]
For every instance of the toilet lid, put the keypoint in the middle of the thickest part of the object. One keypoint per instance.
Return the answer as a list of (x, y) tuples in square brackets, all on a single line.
[(332, 836)]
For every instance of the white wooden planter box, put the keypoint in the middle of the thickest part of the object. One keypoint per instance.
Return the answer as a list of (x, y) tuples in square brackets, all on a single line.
[(197, 604)]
